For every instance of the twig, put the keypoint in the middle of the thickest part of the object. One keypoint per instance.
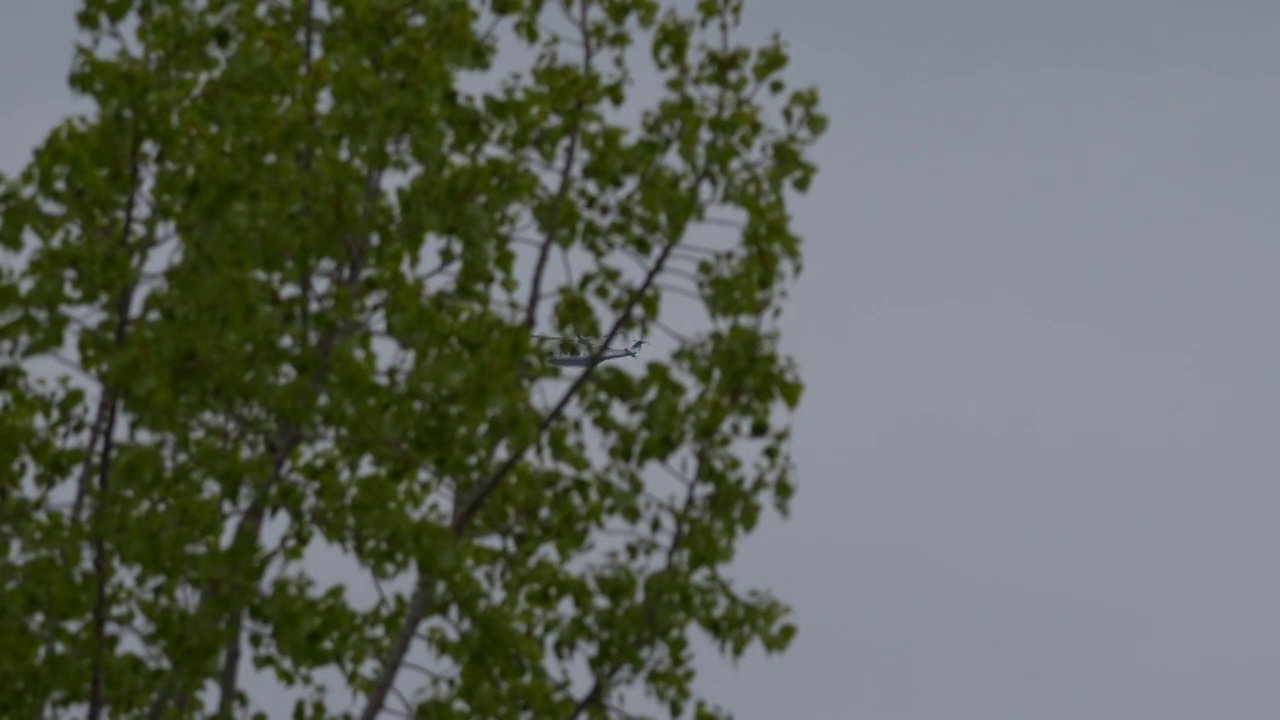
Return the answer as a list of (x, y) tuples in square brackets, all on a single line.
[(553, 222), (101, 563), (408, 706), (598, 690), (673, 334), (682, 292)]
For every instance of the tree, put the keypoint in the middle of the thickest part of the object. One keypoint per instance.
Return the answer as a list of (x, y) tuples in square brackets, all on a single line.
[(291, 265)]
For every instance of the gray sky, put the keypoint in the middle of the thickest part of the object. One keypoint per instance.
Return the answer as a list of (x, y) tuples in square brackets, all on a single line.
[(1038, 453)]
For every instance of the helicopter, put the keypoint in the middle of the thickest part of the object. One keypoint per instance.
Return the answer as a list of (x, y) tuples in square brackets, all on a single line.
[(579, 358)]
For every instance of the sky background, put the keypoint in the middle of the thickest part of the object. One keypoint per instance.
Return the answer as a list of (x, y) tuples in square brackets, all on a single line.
[(1038, 453)]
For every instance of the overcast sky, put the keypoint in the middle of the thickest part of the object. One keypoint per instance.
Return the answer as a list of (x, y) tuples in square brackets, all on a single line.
[(1039, 449)]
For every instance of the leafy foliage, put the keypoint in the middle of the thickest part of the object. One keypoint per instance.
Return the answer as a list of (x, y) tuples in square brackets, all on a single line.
[(291, 265)]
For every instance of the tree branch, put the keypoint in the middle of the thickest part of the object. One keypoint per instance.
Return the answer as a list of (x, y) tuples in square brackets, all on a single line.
[(599, 689), (566, 171), (95, 435), (101, 562), (681, 291), (423, 593), (101, 571), (671, 332), (287, 438)]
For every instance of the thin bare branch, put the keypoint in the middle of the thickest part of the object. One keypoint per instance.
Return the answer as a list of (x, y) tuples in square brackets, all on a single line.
[(423, 597), (472, 506), (420, 669), (692, 248), (408, 706), (553, 228), (102, 572), (670, 332), (526, 241), (675, 474), (623, 714), (101, 561), (488, 33), (676, 289), (600, 688), (95, 436), (568, 269), (721, 222)]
